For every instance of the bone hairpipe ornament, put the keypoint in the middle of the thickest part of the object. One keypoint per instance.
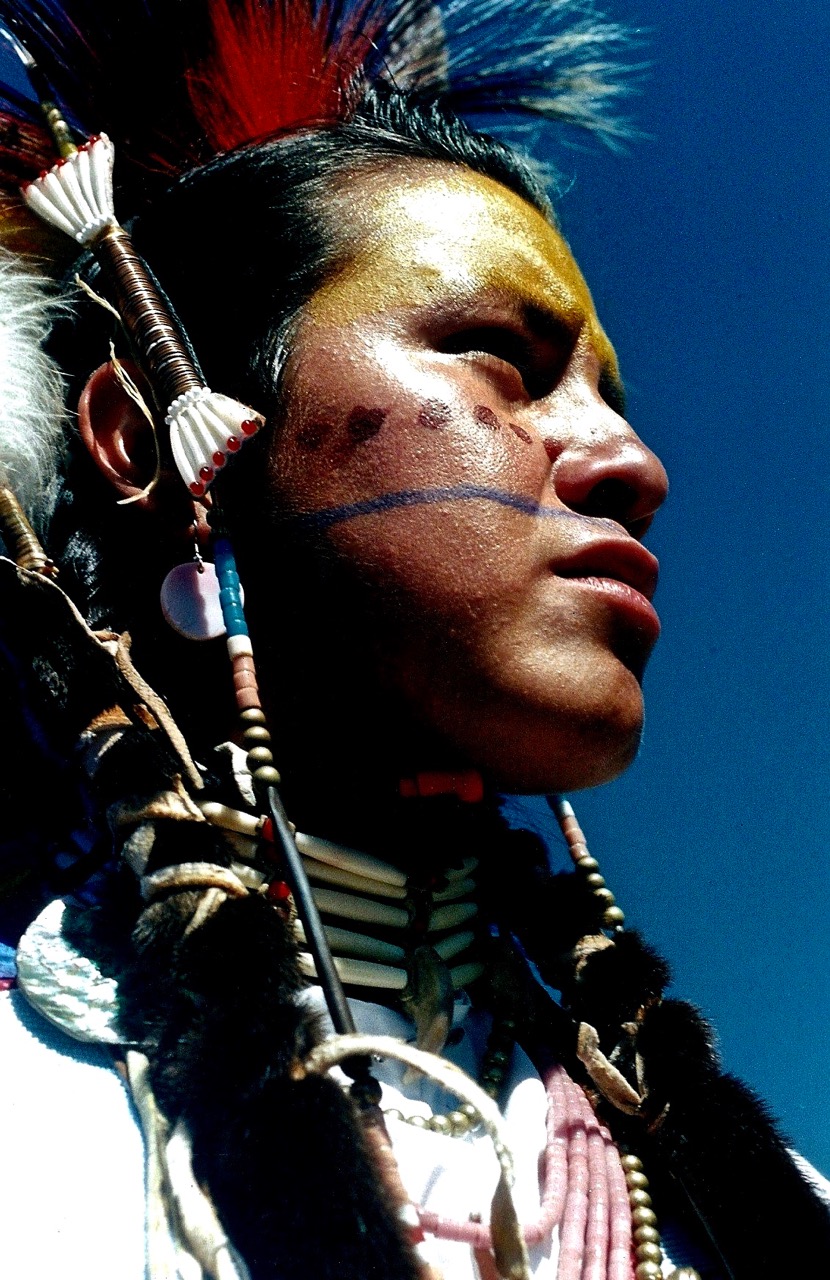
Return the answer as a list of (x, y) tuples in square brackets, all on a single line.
[(76, 197)]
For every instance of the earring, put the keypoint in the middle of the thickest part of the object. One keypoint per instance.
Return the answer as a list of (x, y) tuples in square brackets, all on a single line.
[(189, 596)]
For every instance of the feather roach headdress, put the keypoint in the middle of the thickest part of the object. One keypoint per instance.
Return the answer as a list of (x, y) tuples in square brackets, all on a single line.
[(173, 82)]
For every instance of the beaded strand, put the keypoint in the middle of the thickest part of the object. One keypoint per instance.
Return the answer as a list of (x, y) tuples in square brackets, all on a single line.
[(255, 735), (648, 1250)]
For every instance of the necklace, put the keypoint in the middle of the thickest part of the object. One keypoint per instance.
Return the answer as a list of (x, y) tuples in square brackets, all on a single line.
[(597, 1197)]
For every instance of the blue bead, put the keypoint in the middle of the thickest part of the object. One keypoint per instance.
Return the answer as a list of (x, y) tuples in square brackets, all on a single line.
[(235, 628)]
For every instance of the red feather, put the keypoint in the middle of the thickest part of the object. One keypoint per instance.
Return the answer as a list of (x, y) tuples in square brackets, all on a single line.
[(271, 70)]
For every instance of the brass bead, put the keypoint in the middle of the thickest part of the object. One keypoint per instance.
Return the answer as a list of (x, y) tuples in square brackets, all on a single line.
[(606, 896), (252, 715), (418, 1122), (595, 880), (498, 1057), (639, 1199), (392, 1113), (459, 1123), (490, 1088), (256, 733), (439, 1124), (614, 918), (467, 1109), (258, 756), (684, 1273), (646, 1235), (587, 864), (643, 1216), (648, 1271), (631, 1162), (266, 776), (634, 1179), (649, 1252)]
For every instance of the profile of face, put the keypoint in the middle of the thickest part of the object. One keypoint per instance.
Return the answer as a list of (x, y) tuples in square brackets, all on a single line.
[(452, 432)]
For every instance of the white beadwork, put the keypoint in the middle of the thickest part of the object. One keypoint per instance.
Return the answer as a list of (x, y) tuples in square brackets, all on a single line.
[(75, 195), (201, 423)]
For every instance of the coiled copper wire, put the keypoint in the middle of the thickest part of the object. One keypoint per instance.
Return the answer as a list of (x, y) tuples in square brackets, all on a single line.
[(21, 539), (146, 318)]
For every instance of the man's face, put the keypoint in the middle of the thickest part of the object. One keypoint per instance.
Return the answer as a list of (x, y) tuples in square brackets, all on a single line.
[(451, 432)]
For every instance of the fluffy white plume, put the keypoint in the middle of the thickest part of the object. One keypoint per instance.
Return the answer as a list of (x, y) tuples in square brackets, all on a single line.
[(32, 412)]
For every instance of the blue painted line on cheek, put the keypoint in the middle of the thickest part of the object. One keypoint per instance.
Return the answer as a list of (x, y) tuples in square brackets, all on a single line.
[(317, 521)]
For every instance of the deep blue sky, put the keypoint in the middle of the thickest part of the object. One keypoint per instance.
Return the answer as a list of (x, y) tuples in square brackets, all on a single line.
[(707, 251)]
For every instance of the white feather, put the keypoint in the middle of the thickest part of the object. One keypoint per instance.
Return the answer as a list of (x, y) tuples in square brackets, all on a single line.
[(32, 411)]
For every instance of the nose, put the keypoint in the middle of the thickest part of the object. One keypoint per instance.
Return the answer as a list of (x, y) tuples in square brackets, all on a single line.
[(610, 473), (599, 465)]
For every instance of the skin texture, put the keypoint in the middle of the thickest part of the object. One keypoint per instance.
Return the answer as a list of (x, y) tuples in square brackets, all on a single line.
[(450, 436)]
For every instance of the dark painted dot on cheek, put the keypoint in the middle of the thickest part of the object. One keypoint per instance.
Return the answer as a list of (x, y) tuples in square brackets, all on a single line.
[(363, 424), (434, 414), (312, 436), (486, 417), (520, 432)]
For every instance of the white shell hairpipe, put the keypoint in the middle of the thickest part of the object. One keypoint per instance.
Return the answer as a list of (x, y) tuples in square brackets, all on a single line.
[(75, 196)]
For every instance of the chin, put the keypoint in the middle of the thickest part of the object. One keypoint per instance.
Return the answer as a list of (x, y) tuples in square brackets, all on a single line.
[(553, 749), (579, 762)]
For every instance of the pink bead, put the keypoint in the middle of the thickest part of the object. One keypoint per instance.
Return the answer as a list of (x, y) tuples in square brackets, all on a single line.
[(247, 698)]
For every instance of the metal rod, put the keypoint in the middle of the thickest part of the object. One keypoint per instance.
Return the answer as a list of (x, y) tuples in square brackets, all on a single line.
[(338, 1005)]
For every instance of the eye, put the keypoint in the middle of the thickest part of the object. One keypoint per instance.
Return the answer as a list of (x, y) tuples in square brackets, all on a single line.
[(493, 340)]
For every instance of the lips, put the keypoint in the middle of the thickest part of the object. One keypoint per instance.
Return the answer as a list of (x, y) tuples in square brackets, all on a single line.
[(620, 561)]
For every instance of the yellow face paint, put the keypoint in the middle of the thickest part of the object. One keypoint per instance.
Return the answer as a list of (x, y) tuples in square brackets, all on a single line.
[(443, 233)]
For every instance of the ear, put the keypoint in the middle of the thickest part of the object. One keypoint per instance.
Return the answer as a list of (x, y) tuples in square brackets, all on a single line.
[(115, 431)]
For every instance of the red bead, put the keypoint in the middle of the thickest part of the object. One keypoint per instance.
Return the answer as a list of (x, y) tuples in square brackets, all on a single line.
[(267, 831), (25, 187), (44, 173), (95, 137), (60, 163), (249, 427), (206, 473), (218, 459), (278, 891), (83, 146), (234, 443), (196, 489), (6, 984), (467, 785)]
